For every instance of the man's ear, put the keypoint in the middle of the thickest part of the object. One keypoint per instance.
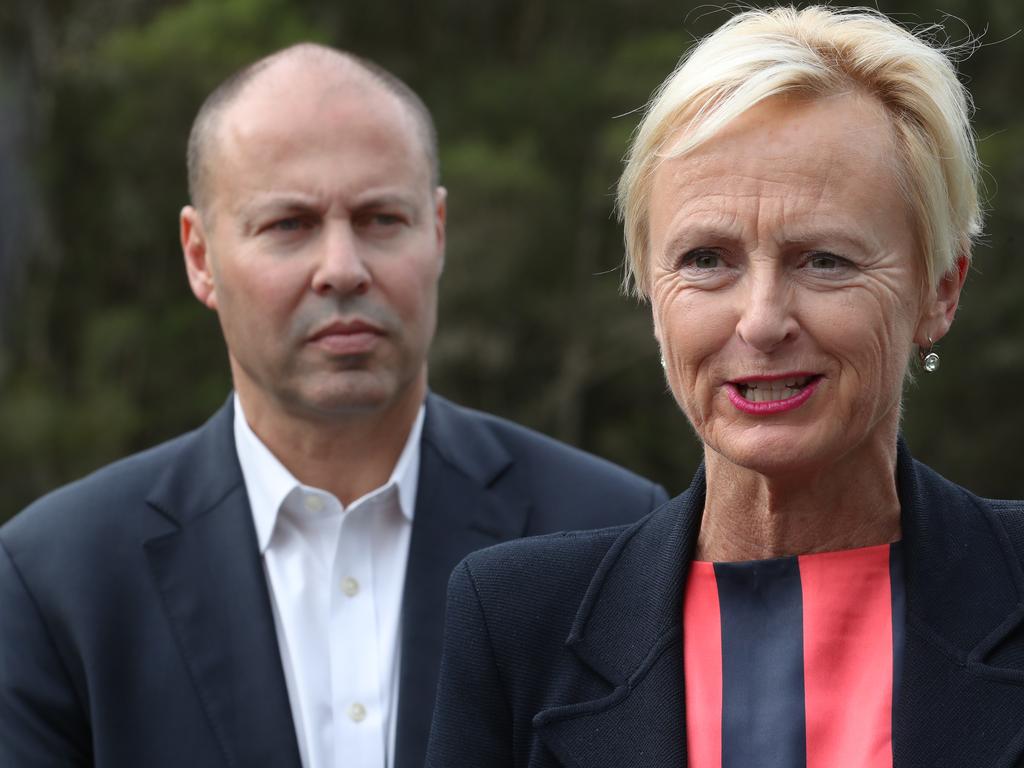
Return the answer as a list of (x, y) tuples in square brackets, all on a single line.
[(440, 216), (195, 248), (941, 305)]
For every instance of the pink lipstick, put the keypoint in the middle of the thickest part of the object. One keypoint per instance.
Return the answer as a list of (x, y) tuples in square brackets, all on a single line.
[(766, 395)]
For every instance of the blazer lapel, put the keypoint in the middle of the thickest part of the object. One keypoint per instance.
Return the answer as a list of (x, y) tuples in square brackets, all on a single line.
[(214, 592), (459, 509), (960, 699), (628, 630)]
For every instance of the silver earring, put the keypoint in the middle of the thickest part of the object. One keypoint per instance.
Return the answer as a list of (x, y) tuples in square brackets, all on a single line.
[(930, 359), (662, 361)]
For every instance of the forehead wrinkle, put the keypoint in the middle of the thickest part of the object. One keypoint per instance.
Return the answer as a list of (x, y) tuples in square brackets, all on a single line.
[(263, 154), (763, 175)]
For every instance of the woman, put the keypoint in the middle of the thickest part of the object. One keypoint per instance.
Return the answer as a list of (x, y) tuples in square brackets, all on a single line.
[(799, 203)]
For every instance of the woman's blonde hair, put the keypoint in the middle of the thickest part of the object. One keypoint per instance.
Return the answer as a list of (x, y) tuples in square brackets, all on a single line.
[(818, 52)]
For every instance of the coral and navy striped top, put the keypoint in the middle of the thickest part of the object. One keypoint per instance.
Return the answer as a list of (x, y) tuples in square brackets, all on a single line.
[(791, 662)]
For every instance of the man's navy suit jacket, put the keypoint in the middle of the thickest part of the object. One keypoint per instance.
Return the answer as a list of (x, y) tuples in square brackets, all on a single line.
[(135, 623), (567, 650)]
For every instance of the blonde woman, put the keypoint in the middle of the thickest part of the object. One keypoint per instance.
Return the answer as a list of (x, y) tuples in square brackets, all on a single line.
[(799, 204)]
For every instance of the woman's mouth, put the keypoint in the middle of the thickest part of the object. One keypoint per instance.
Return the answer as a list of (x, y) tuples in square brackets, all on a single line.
[(766, 395)]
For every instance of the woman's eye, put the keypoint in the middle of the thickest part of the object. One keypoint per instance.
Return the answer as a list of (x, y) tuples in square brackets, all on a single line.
[(826, 261), (702, 259)]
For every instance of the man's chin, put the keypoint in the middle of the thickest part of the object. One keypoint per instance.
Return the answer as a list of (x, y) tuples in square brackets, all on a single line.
[(343, 404), (355, 397)]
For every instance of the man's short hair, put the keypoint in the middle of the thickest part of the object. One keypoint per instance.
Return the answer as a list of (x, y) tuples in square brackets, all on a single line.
[(205, 123)]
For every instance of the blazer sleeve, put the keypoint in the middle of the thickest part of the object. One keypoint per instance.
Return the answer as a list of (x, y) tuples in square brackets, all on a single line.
[(472, 719), (41, 720)]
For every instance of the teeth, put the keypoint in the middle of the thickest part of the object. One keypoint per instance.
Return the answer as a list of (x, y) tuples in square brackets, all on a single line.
[(767, 391), (766, 395)]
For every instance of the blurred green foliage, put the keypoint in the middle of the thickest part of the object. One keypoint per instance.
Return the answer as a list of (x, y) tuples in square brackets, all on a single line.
[(104, 351)]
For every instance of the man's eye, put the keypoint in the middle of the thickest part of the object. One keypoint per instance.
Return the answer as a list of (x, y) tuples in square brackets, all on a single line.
[(291, 224), (382, 219)]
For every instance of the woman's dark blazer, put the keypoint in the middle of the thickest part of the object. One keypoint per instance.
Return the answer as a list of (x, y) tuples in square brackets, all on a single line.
[(566, 650)]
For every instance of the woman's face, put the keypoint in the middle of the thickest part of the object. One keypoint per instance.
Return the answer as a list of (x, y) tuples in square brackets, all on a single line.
[(785, 285)]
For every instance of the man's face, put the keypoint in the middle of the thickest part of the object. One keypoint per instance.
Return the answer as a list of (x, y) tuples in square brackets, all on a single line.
[(321, 245)]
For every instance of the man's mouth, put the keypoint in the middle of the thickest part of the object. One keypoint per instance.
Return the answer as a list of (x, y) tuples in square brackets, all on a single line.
[(347, 338), (353, 327), (764, 391)]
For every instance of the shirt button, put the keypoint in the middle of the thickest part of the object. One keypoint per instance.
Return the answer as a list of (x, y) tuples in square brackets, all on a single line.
[(357, 712), (350, 586), (313, 503)]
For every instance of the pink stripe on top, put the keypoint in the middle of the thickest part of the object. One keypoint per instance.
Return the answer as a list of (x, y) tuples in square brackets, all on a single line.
[(848, 657), (702, 667)]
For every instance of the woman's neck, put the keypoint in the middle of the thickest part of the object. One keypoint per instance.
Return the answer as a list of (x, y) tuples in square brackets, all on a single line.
[(751, 516)]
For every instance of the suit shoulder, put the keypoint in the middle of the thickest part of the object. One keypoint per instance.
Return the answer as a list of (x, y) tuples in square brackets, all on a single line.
[(1007, 508), (536, 450), (534, 443), (1010, 513), (936, 487), (107, 491)]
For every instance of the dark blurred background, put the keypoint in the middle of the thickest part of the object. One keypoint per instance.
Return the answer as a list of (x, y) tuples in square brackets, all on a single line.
[(103, 350)]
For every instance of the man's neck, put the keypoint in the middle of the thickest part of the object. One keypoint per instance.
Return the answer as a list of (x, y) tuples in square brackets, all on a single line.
[(348, 455)]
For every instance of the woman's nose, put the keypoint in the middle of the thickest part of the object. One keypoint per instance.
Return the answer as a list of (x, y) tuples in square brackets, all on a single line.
[(766, 318)]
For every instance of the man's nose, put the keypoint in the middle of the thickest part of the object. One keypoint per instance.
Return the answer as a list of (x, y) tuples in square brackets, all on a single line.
[(766, 318), (341, 266)]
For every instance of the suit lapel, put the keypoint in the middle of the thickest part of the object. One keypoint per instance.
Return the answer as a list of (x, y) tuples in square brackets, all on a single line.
[(459, 509), (628, 630), (214, 592)]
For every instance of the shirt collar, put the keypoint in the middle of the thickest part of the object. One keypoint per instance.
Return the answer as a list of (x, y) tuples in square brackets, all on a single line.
[(268, 482)]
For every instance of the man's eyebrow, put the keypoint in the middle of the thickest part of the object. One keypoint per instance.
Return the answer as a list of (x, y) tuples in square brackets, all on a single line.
[(386, 199), (282, 202)]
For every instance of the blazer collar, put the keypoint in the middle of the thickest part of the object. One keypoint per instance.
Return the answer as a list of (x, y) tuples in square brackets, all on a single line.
[(614, 632), (628, 630), (210, 579), (960, 698), (962, 575), (961, 691)]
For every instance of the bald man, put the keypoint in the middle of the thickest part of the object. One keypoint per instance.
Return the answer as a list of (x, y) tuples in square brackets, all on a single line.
[(268, 590)]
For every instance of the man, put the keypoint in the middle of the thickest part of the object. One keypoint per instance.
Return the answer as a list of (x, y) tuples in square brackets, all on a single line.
[(269, 590)]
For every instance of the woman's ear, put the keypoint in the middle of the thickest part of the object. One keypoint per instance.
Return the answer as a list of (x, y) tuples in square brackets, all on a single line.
[(941, 305)]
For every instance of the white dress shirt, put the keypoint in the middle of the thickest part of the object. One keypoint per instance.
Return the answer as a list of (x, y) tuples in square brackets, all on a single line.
[(335, 576)]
